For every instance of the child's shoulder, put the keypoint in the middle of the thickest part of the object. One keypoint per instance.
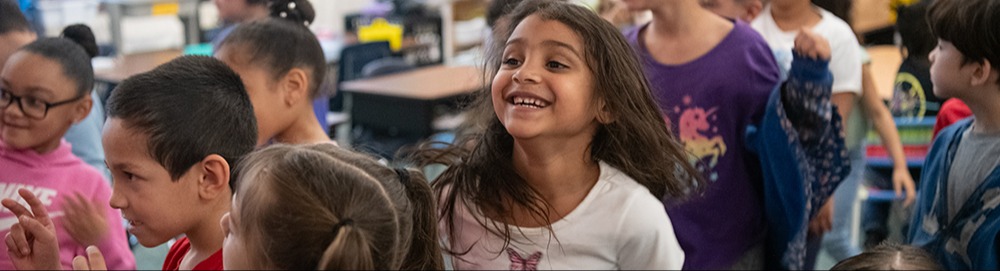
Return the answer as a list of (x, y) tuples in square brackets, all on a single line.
[(945, 138), (618, 185), (834, 27)]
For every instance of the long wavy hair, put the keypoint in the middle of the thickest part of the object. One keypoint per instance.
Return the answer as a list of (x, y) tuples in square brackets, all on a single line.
[(636, 140)]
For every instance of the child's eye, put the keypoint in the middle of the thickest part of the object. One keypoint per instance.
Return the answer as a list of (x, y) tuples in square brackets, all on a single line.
[(511, 62), (555, 65), (32, 102), (129, 176)]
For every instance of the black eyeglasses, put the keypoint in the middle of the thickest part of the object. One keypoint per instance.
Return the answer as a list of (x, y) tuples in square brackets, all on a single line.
[(31, 107)]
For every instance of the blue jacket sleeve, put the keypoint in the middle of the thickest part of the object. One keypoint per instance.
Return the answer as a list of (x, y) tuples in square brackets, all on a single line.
[(800, 145)]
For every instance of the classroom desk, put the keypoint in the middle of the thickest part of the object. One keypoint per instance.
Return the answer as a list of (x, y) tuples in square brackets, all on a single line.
[(404, 103), (129, 65)]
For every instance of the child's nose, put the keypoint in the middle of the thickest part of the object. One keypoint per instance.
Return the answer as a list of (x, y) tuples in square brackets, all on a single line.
[(117, 200), (525, 75)]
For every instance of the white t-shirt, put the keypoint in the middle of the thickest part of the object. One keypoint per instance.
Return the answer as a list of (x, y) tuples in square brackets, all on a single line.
[(845, 55), (618, 225)]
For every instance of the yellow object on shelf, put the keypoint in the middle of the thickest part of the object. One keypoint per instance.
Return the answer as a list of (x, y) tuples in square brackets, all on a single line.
[(381, 30), (166, 9)]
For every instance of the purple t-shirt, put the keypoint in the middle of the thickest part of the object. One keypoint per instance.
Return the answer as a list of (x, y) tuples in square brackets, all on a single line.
[(708, 103)]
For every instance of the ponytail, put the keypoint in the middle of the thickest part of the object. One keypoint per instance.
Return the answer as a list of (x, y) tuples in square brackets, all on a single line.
[(350, 249), (424, 252)]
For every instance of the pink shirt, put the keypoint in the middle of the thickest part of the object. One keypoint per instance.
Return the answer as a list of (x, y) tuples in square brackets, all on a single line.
[(53, 177)]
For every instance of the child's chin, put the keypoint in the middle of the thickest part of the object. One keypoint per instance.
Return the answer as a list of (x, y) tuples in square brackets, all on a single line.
[(15, 142), (150, 241)]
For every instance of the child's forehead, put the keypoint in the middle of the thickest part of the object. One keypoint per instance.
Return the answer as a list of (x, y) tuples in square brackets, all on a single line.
[(31, 73), (125, 143), (545, 31)]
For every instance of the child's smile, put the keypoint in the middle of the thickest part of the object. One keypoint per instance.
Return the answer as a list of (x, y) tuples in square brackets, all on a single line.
[(529, 102)]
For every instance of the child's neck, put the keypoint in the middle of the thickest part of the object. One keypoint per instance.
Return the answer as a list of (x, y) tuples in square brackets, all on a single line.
[(305, 130), (206, 238), (677, 19), (48, 147), (560, 170), (985, 110), (793, 15), (682, 31)]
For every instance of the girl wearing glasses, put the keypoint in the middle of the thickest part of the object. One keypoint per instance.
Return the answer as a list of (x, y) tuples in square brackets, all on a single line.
[(44, 89)]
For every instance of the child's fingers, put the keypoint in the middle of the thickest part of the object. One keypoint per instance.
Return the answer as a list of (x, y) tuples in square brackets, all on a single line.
[(80, 263), (96, 258), (911, 194), (37, 208), (19, 238), (83, 203), (16, 208), (12, 246), (37, 231)]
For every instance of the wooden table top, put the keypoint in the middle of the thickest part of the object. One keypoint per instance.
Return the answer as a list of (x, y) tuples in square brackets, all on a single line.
[(129, 65), (428, 83)]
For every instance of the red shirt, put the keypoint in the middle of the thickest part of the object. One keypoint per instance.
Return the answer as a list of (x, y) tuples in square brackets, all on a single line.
[(180, 248), (952, 111)]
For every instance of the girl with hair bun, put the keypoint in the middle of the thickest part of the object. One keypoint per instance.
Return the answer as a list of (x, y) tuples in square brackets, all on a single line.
[(283, 66)]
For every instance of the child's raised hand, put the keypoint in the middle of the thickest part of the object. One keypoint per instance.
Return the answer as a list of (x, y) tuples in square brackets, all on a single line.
[(93, 261), (84, 221), (31, 243), (812, 45)]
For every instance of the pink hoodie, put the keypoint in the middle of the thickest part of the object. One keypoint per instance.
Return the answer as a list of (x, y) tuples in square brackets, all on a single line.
[(53, 177)]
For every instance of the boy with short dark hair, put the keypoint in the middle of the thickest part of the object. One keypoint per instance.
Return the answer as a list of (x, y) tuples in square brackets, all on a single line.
[(955, 218), (172, 138)]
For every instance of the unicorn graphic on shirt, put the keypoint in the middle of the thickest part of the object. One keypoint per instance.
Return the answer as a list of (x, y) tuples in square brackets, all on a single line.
[(693, 125)]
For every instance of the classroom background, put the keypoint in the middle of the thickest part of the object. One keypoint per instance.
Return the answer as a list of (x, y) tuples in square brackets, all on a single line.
[(401, 70)]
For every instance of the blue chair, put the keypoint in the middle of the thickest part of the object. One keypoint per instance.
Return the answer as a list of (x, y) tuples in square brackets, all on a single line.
[(385, 66), (353, 59)]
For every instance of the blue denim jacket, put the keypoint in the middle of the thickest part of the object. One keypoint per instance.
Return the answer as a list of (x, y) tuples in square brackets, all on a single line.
[(970, 240)]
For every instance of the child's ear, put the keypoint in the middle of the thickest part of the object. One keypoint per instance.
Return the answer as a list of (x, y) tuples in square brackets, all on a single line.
[(604, 115), (296, 86), (985, 74), (82, 109), (214, 181)]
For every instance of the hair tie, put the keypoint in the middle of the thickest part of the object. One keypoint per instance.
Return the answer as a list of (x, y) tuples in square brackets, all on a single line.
[(404, 176), (342, 223)]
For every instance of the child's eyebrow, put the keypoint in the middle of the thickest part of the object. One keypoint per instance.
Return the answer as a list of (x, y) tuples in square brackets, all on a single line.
[(41, 91), (120, 166), (515, 41), (559, 44)]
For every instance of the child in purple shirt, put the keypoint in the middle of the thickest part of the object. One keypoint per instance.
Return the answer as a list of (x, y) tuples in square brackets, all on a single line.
[(715, 80)]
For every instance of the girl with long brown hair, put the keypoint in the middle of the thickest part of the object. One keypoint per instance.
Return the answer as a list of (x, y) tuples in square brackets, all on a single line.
[(569, 172)]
